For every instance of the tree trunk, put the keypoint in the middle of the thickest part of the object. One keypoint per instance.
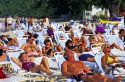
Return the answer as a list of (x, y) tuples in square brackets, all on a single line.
[(114, 9)]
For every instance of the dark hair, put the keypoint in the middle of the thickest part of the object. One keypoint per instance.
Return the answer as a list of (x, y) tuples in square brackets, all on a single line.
[(46, 40), (35, 35), (29, 37), (68, 42), (121, 30), (20, 56), (91, 38), (2, 36), (10, 39), (30, 34), (67, 28), (1, 52), (65, 56), (49, 51)]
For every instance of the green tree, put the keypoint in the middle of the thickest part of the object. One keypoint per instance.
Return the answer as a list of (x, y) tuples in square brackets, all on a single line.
[(114, 6)]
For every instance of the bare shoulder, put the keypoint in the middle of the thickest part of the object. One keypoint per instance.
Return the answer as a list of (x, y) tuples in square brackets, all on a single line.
[(43, 47), (65, 62), (103, 57), (24, 45), (80, 62)]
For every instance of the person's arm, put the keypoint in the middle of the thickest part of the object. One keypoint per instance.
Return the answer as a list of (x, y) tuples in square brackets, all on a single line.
[(104, 60), (116, 46), (37, 49), (31, 59), (18, 62), (65, 71), (115, 59), (91, 59), (12, 44), (44, 50), (15, 41), (85, 67), (23, 47)]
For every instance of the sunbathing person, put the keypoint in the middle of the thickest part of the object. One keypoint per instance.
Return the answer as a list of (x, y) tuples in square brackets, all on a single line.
[(120, 39), (3, 45), (4, 39), (47, 46), (27, 63), (77, 70), (50, 32), (108, 60), (83, 44), (3, 56), (11, 42), (100, 37), (74, 39), (31, 48), (87, 59), (93, 40)]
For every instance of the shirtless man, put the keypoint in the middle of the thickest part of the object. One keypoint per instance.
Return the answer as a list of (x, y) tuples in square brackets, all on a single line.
[(77, 70), (31, 48)]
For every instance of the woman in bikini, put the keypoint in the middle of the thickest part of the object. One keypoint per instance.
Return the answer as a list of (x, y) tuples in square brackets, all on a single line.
[(47, 46), (107, 60), (31, 48), (27, 63)]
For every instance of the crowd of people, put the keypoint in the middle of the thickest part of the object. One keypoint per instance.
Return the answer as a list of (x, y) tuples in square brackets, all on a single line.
[(78, 64)]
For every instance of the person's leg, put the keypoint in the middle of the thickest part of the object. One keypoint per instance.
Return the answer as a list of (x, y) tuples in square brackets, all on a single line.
[(39, 68), (45, 64), (88, 78), (35, 69), (118, 79), (116, 46), (99, 78)]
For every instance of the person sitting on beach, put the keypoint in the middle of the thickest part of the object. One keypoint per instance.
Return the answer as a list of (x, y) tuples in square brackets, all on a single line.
[(27, 63), (48, 45), (79, 54), (31, 48), (4, 39), (83, 44), (3, 45), (100, 37), (75, 40), (93, 40), (12, 42), (50, 32), (78, 70), (120, 39), (107, 59), (68, 44), (3, 56)]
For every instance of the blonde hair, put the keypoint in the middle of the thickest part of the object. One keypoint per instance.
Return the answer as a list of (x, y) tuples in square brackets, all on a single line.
[(104, 46)]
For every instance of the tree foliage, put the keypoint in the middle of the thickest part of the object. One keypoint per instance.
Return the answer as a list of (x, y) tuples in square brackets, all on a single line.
[(40, 8)]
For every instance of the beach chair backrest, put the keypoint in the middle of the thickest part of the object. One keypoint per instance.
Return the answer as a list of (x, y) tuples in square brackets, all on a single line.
[(98, 58), (20, 33), (77, 33), (96, 48), (111, 38), (60, 62), (60, 38), (44, 32), (21, 41), (53, 63), (15, 55)]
